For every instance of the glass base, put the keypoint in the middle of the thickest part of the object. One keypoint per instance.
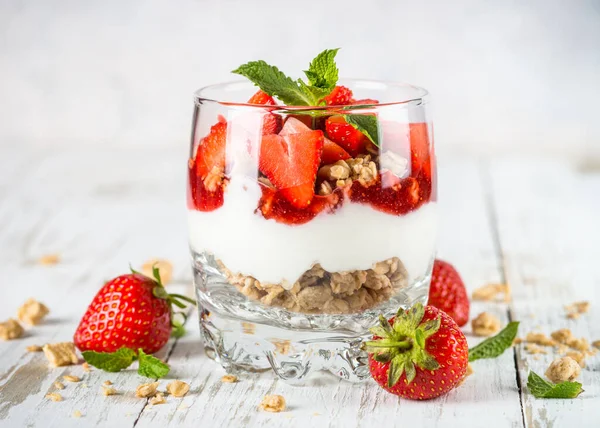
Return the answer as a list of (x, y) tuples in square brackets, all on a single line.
[(242, 334)]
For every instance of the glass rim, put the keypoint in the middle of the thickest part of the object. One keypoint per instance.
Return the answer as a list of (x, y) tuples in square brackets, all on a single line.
[(422, 98)]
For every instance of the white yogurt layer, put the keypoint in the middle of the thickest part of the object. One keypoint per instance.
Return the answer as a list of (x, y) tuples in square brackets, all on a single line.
[(353, 238)]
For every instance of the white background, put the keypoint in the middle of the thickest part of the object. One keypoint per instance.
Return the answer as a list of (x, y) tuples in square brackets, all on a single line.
[(505, 76)]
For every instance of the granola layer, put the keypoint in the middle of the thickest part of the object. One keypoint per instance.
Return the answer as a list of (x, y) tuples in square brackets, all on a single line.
[(320, 291)]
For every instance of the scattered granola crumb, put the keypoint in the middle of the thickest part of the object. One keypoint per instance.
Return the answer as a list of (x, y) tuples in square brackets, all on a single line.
[(146, 390), (577, 356), (70, 378), (490, 292), (10, 329), (282, 346), (248, 327), (596, 344), (159, 398), (108, 390), (60, 354), (485, 324), (229, 378), (86, 367), (563, 369), (77, 414), (32, 312), (165, 268), (563, 335), (49, 259), (34, 348), (54, 396), (579, 344), (59, 385), (273, 403), (539, 339), (517, 341), (107, 383), (573, 315), (533, 348), (561, 349), (178, 388)]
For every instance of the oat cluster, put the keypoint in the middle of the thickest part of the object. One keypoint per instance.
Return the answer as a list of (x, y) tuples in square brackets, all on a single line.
[(485, 324), (320, 291), (563, 369), (60, 354), (344, 172), (492, 292), (273, 403)]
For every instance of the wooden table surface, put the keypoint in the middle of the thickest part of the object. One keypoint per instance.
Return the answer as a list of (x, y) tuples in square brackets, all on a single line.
[(527, 221)]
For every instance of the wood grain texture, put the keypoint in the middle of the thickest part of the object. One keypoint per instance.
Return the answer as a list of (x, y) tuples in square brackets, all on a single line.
[(101, 210)]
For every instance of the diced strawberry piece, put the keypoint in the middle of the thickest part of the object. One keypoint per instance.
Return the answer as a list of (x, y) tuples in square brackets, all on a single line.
[(199, 197), (340, 96), (332, 153), (294, 125), (403, 197), (272, 123), (262, 98), (292, 161), (364, 101), (345, 135), (420, 155), (211, 150), (275, 205)]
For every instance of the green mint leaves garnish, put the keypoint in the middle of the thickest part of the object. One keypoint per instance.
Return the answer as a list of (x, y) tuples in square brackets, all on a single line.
[(149, 366), (322, 77), (110, 361), (541, 388), (367, 124), (496, 345)]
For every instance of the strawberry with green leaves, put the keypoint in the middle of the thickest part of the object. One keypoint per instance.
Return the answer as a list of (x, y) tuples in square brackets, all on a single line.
[(421, 353), (132, 312)]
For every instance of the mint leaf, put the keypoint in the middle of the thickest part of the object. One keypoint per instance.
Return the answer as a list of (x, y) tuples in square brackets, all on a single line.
[(496, 345), (541, 388), (366, 124), (110, 361), (272, 81), (323, 71), (151, 366)]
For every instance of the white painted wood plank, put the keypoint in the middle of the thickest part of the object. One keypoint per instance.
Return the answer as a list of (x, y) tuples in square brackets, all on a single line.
[(114, 213), (491, 394), (548, 216)]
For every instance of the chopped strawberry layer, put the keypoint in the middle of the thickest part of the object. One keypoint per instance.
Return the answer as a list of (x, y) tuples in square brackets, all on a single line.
[(290, 162), (262, 98), (211, 150), (199, 197), (403, 196), (332, 153), (345, 135), (420, 155), (274, 204), (340, 96)]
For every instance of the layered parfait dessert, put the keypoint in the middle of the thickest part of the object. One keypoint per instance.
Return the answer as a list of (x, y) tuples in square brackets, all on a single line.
[(311, 199)]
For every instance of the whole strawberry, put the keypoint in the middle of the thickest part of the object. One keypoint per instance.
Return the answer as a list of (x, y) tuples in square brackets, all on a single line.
[(447, 292), (131, 311), (420, 354)]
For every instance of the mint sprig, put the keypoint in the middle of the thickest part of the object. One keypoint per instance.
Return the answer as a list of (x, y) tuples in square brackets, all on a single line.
[(495, 345), (541, 388), (149, 366), (322, 77)]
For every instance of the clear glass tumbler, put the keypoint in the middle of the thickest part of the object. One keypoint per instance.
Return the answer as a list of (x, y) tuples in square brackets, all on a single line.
[(304, 229)]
